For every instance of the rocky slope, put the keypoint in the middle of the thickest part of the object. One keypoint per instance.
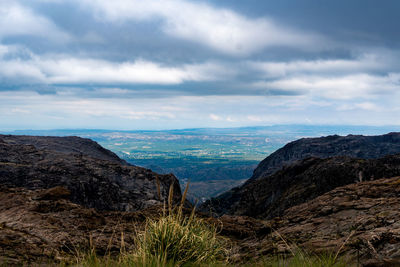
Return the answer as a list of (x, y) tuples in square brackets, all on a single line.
[(96, 177), (298, 183), (66, 145), (361, 221), (44, 226), (356, 146)]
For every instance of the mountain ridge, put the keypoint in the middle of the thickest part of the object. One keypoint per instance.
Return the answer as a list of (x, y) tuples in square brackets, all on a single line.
[(67, 144), (358, 146), (302, 175), (96, 177)]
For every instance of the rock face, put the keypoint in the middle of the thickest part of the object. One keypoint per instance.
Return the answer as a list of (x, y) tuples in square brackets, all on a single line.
[(356, 146), (94, 176), (39, 226), (43, 226), (66, 145), (299, 183), (361, 217)]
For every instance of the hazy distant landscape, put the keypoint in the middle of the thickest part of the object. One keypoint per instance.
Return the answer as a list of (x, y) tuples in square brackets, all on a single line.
[(213, 160)]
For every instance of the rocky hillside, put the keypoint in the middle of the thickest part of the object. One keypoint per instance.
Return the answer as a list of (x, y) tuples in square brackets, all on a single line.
[(55, 200), (357, 146), (44, 226), (300, 182), (65, 145), (358, 220), (95, 177)]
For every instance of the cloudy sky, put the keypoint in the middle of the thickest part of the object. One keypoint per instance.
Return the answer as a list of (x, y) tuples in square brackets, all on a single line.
[(162, 64)]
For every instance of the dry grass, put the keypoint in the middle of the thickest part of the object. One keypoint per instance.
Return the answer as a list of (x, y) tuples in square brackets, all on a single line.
[(179, 239), (174, 239)]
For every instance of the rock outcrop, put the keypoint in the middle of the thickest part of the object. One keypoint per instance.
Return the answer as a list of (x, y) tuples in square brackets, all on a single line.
[(361, 221), (298, 183), (358, 220), (67, 145), (356, 146), (95, 177), (44, 226)]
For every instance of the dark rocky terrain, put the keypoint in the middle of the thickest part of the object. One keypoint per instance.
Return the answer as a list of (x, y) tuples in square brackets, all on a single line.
[(66, 145), (43, 226), (58, 199), (96, 177), (361, 221), (356, 146), (300, 182)]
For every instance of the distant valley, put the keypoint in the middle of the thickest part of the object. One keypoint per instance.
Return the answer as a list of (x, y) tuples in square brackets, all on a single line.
[(213, 160)]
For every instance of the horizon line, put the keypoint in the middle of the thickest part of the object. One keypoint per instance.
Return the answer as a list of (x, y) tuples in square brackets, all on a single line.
[(202, 128)]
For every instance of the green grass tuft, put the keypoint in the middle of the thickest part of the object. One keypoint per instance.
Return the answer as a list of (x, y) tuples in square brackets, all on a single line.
[(179, 239)]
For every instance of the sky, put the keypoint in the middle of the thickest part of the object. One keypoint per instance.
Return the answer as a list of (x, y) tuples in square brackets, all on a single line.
[(168, 64)]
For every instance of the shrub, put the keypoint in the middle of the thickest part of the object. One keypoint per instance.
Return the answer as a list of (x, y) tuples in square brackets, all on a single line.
[(179, 239)]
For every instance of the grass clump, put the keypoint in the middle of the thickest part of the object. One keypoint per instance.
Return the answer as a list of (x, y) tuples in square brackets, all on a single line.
[(174, 239), (179, 239)]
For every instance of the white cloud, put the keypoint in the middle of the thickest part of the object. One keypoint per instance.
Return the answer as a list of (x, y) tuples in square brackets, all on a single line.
[(113, 91), (255, 118), (368, 106), (365, 63), (19, 20), (221, 29), (31, 110), (4, 50), (215, 117), (73, 111), (152, 115), (20, 110), (54, 69), (230, 119), (340, 87), (364, 77), (19, 70), (72, 70)]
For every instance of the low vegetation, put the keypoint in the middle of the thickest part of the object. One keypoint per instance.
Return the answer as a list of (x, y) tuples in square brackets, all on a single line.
[(179, 239), (174, 239)]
